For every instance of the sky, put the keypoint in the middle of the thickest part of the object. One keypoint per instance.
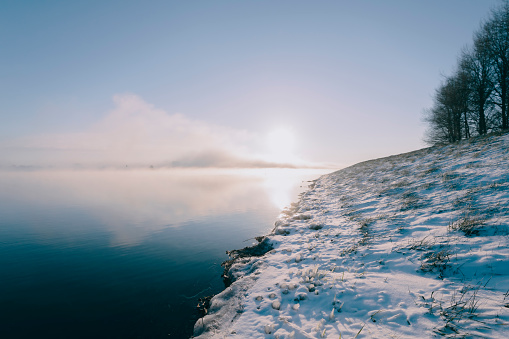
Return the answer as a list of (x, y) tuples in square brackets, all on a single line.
[(222, 83)]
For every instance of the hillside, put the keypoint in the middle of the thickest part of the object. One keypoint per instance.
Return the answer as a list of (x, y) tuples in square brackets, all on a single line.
[(408, 246)]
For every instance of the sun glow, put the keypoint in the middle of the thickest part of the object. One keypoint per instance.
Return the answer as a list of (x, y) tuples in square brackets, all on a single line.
[(281, 145)]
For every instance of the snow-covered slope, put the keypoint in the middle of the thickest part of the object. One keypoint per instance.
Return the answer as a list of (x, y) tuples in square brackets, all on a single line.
[(409, 246)]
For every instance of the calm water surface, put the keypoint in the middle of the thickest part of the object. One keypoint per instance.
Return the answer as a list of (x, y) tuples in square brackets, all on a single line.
[(126, 254)]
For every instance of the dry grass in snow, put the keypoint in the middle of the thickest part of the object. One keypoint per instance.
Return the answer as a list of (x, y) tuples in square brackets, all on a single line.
[(409, 246)]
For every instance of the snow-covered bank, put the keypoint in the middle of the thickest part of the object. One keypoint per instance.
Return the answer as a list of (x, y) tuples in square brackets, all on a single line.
[(409, 246)]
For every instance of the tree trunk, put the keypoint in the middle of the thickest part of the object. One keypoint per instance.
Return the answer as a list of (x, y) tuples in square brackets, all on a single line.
[(482, 120), (467, 129), (504, 94)]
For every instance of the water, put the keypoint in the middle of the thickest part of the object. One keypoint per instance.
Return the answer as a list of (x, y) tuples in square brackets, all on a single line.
[(126, 254)]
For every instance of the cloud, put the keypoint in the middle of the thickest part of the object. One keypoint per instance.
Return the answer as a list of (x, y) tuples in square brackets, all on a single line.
[(136, 133)]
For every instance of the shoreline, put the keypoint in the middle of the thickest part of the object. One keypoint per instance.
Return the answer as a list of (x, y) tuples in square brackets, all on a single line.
[(413, 245), (239, 266)]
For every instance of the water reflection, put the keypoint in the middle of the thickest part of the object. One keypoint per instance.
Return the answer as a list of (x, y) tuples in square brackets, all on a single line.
[(122, 254), (132, 204), (282, 185)]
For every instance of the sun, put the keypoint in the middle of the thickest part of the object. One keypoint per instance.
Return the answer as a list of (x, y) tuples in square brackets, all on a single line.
[(281, 144)]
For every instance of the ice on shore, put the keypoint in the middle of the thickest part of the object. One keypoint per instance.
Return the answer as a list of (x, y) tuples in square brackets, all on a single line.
[(409, 246)]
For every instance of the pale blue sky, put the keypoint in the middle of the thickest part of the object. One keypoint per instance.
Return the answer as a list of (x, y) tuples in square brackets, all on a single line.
[(349, 78)]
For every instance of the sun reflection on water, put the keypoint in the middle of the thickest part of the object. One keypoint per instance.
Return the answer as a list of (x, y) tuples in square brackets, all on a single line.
[(284, 185), (133, 204)]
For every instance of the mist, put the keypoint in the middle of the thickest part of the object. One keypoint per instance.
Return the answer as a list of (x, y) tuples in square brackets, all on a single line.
[(137, 134)]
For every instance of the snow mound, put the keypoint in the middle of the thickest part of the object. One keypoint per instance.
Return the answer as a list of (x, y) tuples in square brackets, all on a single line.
[(408, 246)]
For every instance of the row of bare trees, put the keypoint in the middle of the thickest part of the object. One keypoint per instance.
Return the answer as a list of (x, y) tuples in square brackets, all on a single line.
[(474, 100)]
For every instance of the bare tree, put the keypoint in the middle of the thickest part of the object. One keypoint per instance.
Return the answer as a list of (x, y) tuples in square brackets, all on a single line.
[(448, 118), (475, 99), (478, 66), (497, 31), (438, 131), (462, 99)]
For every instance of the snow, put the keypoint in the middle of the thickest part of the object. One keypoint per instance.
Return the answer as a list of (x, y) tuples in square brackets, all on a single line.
[(409, 246)]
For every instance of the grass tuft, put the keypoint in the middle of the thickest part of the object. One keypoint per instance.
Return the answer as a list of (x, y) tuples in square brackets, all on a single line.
[(468, 224)]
